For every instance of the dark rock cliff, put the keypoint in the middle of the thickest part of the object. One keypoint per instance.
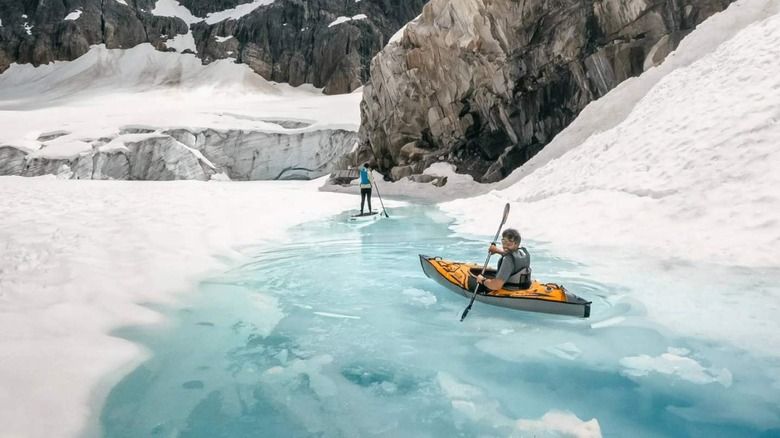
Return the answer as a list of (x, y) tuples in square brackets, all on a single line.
[(485, 84), (285, 41)]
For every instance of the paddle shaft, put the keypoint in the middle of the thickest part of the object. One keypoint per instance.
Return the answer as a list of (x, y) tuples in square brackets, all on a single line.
[(487, 260), (380, 197)]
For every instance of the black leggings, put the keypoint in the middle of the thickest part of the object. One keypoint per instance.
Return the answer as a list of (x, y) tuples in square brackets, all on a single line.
[(365, 193)]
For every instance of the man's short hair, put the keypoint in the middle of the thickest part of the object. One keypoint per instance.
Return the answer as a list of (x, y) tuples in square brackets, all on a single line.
[(511, 234)]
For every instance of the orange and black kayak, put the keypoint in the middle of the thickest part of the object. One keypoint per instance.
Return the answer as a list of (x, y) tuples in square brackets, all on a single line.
[(539, 297)]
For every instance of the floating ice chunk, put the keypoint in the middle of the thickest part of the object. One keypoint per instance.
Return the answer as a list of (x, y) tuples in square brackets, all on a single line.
[(419, 296), (561, 423), (269, 313), (389, 387), (322, 385), (469, 401), (675, 364), (456, 390), (282, 356), (274, 370)]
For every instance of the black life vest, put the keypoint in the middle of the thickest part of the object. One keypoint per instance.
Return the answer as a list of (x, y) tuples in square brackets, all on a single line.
[(519, 278)]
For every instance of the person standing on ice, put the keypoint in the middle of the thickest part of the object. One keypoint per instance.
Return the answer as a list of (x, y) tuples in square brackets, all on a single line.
[(514, 268), (365, 187)]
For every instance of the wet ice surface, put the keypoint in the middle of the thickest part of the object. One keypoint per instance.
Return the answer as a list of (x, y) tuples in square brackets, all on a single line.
[(340, 334)]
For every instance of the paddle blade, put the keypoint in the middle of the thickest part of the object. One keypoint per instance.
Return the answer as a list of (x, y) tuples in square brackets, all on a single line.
[(506, 214), (471, 302), (465, 312)]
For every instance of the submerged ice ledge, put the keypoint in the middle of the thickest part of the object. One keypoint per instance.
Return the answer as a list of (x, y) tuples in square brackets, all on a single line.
[(148, 153)]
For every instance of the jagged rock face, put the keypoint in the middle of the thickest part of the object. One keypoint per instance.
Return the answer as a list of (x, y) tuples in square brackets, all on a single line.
[(486, 84), (11, 160), (192, 154), (292, 41), (286, 41), (36, 31)]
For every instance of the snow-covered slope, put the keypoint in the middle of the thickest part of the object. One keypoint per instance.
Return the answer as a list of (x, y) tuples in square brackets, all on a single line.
[(68, 110), (102, 71)]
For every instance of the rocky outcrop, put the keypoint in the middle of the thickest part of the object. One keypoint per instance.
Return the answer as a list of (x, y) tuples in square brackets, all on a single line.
[(485, 84), (38, 32), (189, 154), (327, 43), (11, 160)]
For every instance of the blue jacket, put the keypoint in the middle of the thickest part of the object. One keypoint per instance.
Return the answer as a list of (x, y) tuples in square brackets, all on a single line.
[(365, 178)]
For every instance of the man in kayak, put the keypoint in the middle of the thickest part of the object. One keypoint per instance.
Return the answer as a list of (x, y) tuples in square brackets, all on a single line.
[(365, 187), (514, 268)]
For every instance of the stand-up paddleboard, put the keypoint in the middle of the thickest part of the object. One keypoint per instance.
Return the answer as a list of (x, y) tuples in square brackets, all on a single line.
[(366, 217)]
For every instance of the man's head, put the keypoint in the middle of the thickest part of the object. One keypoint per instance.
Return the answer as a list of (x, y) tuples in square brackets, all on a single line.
[(365, 165), (510, 239)]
